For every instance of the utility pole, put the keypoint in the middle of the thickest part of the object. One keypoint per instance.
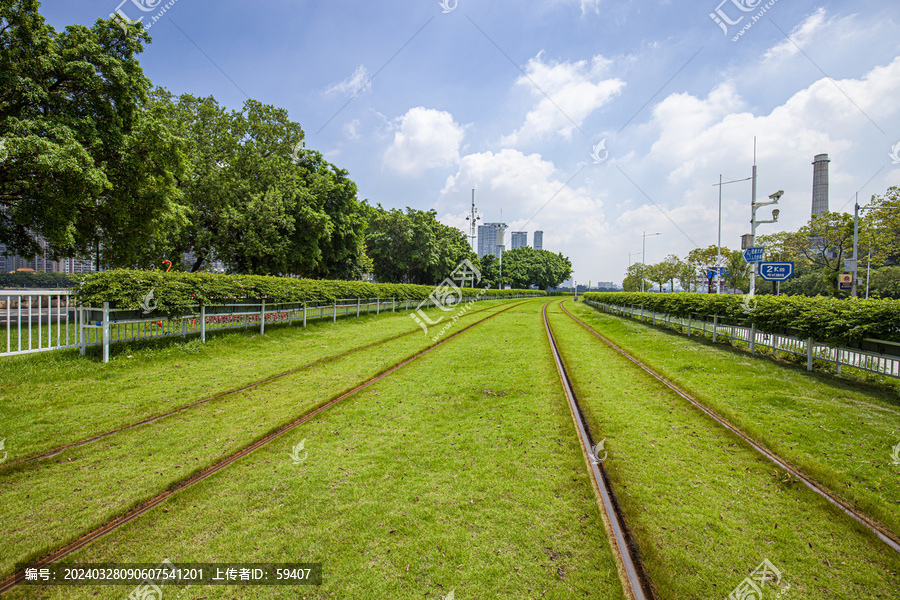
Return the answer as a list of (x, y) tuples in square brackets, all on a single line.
[(644, 255), (774, 198), (472, 218), (854, 291), (753, 223), (719, 245)]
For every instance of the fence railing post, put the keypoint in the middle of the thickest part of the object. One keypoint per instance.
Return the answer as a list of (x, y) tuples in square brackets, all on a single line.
[(105, 330), (357, 307), (378, 309), (335, 310), (262, 317), (203, 323), (690, 323), (81, 330), (809, 354), (752, 338), (304, 315)]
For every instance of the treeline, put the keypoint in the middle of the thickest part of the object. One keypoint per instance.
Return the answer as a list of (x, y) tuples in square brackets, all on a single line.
[(818, 250), (103, 165)]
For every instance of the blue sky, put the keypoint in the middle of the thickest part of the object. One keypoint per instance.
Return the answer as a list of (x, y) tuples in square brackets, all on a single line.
[(511, 98)]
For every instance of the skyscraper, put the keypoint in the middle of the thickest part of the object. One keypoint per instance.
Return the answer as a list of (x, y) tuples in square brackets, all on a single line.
[(490, 237), (519, 239), (539, 240)]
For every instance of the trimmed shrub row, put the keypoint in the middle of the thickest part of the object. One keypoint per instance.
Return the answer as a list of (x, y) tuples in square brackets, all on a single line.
[(836, 321), (176, 291)]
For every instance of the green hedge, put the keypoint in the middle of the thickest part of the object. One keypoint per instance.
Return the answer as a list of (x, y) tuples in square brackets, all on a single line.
[(38, 279), (828, 320), (176, 291)]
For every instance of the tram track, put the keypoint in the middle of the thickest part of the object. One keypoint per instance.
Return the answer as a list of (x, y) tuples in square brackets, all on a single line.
[(244, 388), (635, 580), (111, 525), (885, 536)]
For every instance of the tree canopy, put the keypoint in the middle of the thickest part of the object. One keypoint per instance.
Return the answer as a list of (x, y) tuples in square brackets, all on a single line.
[(413, 246)]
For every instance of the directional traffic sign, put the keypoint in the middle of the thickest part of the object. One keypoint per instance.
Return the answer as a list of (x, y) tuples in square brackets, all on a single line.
[(776, 271), (711, 272), (754, 255)]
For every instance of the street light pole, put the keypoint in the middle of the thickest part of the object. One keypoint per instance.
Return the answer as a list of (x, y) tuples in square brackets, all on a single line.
[(753, 224), (854, 290), (754, 205), (644, 255), (719, 245)]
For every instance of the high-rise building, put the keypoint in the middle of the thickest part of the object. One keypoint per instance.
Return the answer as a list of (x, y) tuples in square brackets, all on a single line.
[(490, 237), (538, 240), (40, 262), (519, 239)]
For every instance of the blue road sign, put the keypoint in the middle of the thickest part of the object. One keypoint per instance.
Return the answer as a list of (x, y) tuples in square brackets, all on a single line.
[(776, 271), (755, 254), (711, 272)]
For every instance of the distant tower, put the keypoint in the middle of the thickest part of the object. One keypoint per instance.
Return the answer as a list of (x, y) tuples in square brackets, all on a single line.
[(519, 239), (820, 184), (538, 240), (490, 237)]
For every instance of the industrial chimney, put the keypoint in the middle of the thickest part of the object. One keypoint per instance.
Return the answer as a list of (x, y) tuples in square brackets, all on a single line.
[(820, 184)]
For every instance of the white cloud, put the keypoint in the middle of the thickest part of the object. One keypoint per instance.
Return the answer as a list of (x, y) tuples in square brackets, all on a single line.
[(590, 6), (426, 139), (351, 129), (694, 133), (353, 84), (531, 193), (567, 93), (800, 36)]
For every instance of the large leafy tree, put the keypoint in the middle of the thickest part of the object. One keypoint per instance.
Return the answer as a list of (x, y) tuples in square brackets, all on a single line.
[(737, 271), (823, 244), (702, 261), (256, 199), (81, 160), (632, 281), (413, 246), (542, 268)]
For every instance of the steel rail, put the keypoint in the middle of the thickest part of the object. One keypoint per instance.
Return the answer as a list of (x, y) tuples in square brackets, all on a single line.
[(16, 578), (636, 581), (883, 535)]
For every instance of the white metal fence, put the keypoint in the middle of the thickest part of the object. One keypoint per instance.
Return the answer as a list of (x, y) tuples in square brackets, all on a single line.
[(883, 363), (44, 320)]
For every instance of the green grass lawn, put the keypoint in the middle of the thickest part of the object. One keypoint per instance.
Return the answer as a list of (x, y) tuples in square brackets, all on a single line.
[(50, 502), (705, 508), (461, 472), (838, 431), (55, 398)]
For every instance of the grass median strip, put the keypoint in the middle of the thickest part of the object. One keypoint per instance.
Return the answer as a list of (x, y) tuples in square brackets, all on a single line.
[(50, 503), (836, 431), (706, 509), (459, 473)]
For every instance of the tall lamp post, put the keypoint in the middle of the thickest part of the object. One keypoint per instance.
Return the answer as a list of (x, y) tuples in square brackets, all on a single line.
[(644, 255), (719, 244), (855, 269)]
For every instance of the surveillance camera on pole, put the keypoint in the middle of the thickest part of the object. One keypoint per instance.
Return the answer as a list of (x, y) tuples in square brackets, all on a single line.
[(773, 199)]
